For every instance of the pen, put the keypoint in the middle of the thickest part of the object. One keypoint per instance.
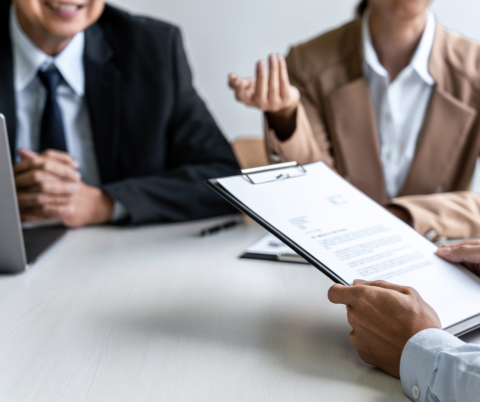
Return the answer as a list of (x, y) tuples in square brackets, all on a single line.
[(289, 257), (222, 226)]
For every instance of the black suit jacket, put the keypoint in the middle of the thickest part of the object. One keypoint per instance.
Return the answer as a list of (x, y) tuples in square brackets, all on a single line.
[(155, 141)]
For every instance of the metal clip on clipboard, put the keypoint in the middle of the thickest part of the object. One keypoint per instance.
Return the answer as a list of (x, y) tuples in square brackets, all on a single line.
[(267, 174)]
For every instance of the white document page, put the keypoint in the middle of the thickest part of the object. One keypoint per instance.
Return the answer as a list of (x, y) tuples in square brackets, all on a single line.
[(357, 238)]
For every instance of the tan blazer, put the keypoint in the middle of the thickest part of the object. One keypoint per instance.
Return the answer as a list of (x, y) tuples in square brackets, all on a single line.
[(336, 124)]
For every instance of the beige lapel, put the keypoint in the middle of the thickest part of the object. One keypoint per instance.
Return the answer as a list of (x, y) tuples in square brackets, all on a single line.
[(447, 124), (445, 130), (356, 133), (352, 119)]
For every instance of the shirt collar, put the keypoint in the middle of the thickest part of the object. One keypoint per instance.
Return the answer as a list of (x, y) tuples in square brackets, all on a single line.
[(420, 59), (28, 58)]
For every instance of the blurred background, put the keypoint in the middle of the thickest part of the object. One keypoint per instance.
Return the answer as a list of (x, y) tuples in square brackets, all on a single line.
[(223, 36)]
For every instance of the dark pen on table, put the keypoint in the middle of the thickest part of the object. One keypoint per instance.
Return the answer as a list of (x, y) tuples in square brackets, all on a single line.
[(221, 227)]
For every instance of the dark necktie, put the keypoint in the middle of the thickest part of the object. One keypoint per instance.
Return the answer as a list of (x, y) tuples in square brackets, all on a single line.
[(52, 134)]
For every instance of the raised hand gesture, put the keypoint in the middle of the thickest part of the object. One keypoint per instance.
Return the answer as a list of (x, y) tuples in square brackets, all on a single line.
[(270, 92)]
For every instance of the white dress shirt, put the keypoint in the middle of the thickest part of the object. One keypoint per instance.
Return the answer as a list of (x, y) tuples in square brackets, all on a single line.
[(31, 97), (400, 106), (438, 367)]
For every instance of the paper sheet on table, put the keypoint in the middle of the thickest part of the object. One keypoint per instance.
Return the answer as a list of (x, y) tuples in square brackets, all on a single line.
[(357, 238), (269, 245)]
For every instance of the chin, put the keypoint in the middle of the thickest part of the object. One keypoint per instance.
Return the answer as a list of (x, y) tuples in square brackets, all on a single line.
[(409, 14), (402, 8), (64, 29), (409, 9)]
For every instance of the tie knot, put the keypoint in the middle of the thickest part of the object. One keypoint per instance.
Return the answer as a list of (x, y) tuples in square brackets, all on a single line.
[(50, 80)]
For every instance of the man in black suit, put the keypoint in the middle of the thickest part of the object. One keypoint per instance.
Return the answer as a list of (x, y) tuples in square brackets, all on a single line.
[(104, 123)]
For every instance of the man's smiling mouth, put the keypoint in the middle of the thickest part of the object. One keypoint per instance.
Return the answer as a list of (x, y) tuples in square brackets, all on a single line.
[(63, 6)]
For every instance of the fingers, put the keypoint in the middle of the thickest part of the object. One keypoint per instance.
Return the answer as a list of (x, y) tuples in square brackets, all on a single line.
[(31, 160), (46, 184), (58, 188), (61, 157), (269, 91), (27, 161), (460, 243), (40, 181), (284, 80), (349, 295), (356, 341), (273, 82), (244, 89), (339, 294), (26, 153), (365, 357), (261, 88), (32, 217), (32, 171), (389, 286), (35, 200), (352, 337), (233, 81), (41, 164), (469, 253), (361, 291), (32, 178), (47, 212), (48, 194)]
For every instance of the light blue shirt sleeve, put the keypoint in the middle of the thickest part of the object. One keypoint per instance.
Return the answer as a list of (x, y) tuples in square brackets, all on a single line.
[(438, 367)]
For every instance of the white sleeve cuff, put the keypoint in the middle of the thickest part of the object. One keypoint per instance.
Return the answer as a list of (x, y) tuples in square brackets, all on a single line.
[(419, 358), (120, 211)]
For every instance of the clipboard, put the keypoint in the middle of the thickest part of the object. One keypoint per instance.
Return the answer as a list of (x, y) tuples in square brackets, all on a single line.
[(297, 170), (291, 171)]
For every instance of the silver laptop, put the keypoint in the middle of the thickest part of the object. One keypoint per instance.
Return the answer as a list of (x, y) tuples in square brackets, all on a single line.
[(18, 248)]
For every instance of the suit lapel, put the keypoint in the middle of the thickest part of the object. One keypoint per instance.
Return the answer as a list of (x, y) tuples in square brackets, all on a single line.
[(103, 91), (7, 89), (355, 127), (351, 117), (436, 153)]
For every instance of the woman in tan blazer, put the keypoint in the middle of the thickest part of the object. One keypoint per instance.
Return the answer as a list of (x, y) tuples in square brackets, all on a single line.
[(326, 102)]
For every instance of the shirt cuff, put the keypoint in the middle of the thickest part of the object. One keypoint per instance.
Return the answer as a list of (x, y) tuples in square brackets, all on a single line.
[(120, 212), (419, 358)]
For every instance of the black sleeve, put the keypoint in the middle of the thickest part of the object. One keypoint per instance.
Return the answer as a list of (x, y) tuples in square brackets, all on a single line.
[(197, 151)]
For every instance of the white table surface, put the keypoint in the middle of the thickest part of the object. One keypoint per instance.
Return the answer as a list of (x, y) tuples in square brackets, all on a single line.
[(160, 314)]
